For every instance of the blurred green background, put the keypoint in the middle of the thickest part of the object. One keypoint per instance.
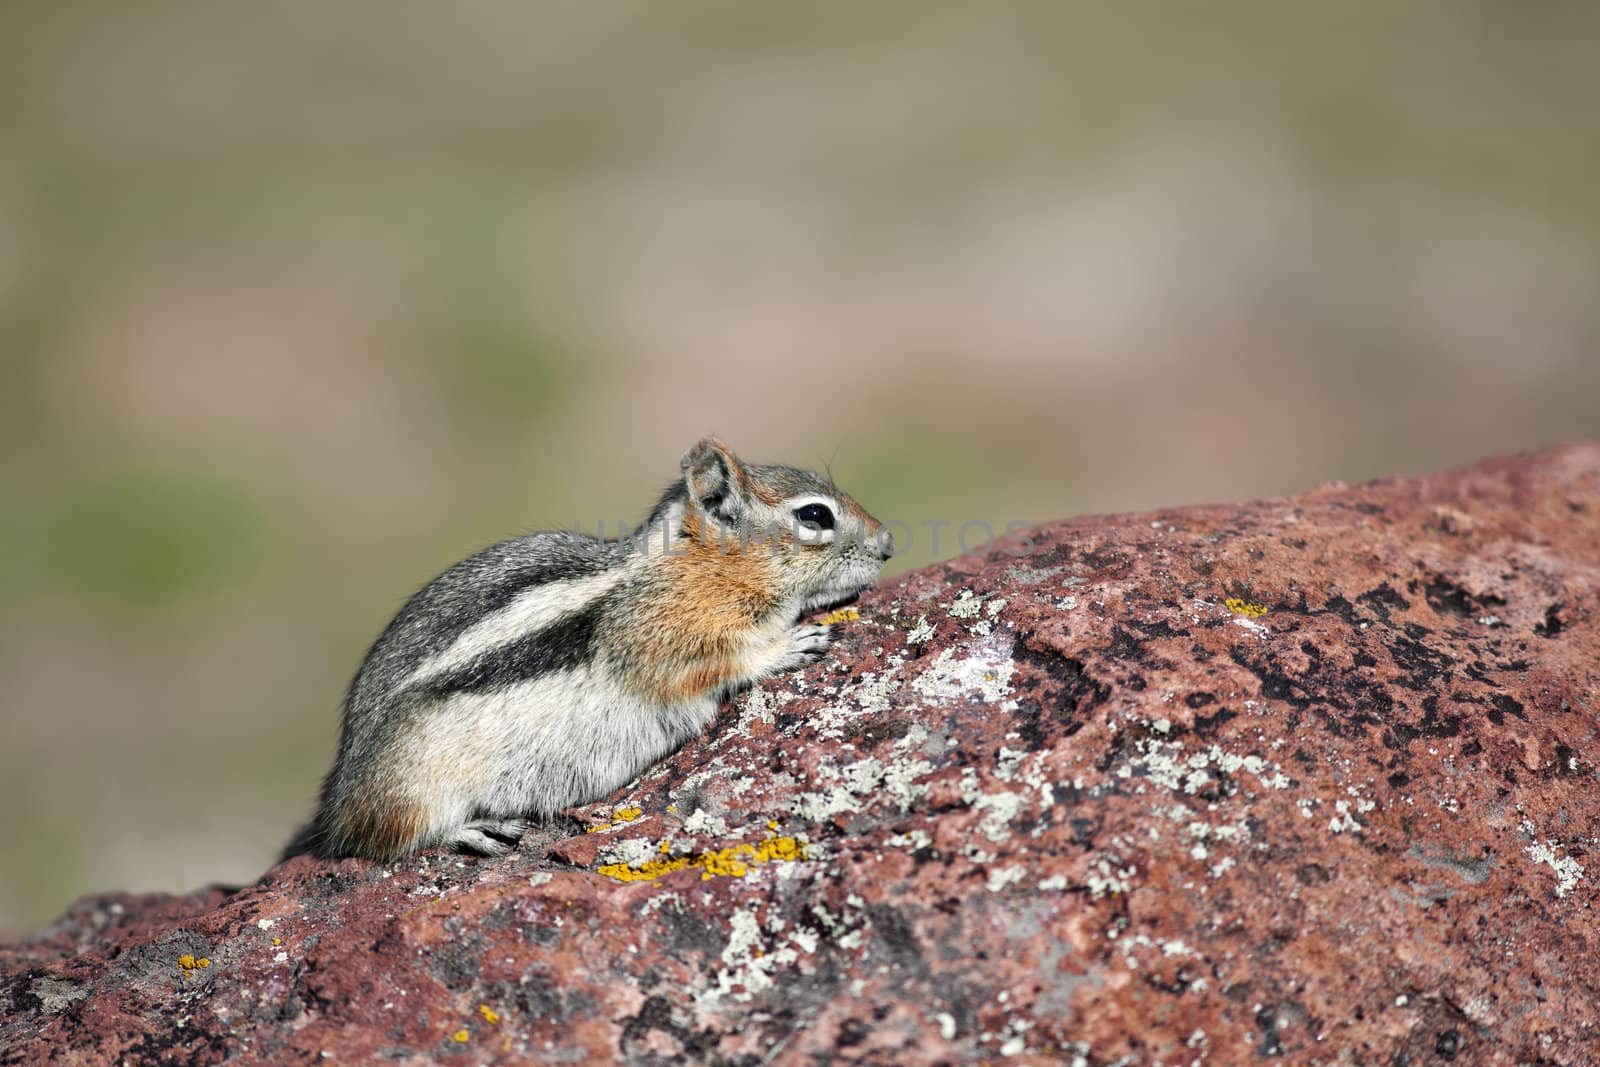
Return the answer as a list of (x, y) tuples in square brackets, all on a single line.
[(301, 302)]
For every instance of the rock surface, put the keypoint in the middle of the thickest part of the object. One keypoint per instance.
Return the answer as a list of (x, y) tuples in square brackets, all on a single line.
[(1310, 778)]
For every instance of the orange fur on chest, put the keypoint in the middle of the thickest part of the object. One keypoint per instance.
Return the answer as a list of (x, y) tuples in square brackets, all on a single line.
[(716, 585), (715, 595)]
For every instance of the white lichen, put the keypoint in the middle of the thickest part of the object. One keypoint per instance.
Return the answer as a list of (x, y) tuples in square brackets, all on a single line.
[(1000, 877), (996, 809), (966, 605), (1106, 877), (633, 852), (759, 706), (872, 693), (986, 673), (703, 822), (849, 788), (915, 840), (1569, 872), (1252, 625)]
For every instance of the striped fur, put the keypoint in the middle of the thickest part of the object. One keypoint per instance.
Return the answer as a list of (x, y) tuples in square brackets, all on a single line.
[(549, 670)]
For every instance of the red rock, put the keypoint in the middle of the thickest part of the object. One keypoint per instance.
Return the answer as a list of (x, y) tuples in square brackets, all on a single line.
[(1101, 814)]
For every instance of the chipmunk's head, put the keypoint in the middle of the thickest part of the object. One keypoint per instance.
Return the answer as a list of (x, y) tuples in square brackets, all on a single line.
[(821, 547)]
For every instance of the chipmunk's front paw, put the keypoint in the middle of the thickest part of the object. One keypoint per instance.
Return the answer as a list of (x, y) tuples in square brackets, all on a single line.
[(807, 643)]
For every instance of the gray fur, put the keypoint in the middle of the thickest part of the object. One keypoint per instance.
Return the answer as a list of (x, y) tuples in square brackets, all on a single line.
[(501, 691)]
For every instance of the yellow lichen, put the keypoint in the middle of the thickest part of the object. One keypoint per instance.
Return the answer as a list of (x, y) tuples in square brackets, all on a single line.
[(734, 861), (461, 1036), (490, 1016), (618, 818), (186, 961), (842, 615), (647, 872), (202, 962), (1245, 608), (277, 941)]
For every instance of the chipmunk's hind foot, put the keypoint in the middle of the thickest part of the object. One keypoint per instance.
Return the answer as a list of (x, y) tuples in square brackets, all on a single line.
[(488, 837)]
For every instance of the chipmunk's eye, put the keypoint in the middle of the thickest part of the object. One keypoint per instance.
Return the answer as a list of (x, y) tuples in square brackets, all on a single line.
[(814, 516)]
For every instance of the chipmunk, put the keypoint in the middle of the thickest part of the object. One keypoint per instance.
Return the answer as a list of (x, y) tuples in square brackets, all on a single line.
[(548, 670)]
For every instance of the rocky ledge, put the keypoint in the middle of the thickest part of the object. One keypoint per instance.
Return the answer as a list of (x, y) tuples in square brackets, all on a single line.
[(1309, 778)]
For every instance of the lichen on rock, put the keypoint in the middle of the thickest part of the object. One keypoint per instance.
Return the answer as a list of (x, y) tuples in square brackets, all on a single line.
[(1311, 777)]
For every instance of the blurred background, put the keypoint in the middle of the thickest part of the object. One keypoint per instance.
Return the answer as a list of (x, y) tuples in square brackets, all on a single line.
[(300, 303)]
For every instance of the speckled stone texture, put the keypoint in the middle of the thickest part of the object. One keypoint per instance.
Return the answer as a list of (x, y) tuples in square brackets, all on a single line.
[(1308, 778)]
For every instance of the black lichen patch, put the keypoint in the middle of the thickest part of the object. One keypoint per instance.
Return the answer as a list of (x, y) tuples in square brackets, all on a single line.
[(1383, 601), (689, 934), (871, 734), (539, 997), (186, 1045), (1323, 685), (458, 963), (1031, 724), (1505, 704), (1422, 669), (1159, 628), (1449, 598), (1338, 605), (1127, 649), (1267, 1044), (1433, 724), (657, 1033), (851, 1033), (1063, 681), (1207, 725), (897, 939), (1313, 874), (330, 885), (1104, 558), (1552, 624)]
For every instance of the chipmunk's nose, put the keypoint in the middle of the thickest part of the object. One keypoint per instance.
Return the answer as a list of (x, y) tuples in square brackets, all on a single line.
[(885, 541)]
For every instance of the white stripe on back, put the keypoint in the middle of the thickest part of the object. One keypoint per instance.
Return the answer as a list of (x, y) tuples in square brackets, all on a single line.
[(533, 609)]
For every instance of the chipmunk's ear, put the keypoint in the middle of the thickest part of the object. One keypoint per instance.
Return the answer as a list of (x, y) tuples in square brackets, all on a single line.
[(716, 479)]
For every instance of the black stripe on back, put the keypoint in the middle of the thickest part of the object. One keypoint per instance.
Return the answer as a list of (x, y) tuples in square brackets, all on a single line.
[(542, 573), (563, 645)]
